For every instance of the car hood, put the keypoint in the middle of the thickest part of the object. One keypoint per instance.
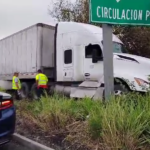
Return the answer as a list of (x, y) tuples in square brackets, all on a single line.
[(5, 95), (127, 64)]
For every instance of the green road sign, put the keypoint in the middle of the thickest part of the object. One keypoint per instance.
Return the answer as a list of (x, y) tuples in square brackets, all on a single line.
[(129, 12)]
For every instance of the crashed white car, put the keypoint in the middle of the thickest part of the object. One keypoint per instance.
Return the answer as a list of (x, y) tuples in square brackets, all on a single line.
[(133, 70)]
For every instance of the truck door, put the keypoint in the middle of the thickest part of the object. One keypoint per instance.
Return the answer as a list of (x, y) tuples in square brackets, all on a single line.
[(67, 57), (68, 65), (63, 53), (93, 68)]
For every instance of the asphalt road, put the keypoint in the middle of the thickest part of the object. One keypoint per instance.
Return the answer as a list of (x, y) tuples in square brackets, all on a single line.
[(13, 146)]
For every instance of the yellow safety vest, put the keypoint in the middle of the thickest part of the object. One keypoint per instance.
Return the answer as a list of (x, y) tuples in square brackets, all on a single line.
[(14, 83), (42, 79)]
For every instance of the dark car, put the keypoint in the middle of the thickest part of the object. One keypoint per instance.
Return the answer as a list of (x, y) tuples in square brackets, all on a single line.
[(7, 118)]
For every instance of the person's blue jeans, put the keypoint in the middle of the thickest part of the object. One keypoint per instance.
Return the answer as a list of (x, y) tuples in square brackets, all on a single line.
[(41, 92)]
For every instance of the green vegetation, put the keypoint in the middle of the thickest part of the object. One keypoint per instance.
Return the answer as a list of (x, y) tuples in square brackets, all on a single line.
[(120, 124), (2, 90)]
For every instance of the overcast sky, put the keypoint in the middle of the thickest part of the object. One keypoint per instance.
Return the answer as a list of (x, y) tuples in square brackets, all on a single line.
[(18, 14)]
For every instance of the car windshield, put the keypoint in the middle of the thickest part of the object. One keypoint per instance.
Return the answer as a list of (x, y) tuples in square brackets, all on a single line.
[(118, 48)]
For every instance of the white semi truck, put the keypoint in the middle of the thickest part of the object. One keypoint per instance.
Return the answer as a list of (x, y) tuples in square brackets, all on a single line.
[(71, 55)]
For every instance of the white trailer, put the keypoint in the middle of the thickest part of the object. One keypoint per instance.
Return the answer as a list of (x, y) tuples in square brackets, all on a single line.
[(27, 51), (65, 54)]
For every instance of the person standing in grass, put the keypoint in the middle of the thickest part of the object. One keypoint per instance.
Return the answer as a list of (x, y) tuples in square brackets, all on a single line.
[(41, 82), (16, 85)]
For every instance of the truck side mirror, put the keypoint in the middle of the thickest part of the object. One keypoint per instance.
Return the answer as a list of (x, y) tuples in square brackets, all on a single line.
[(94, 56)]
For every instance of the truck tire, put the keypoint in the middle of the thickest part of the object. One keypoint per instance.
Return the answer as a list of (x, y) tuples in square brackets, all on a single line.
[(34, 91), (24, 90)]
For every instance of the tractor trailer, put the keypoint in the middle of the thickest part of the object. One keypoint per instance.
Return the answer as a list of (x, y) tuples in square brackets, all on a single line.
[(71, 55)]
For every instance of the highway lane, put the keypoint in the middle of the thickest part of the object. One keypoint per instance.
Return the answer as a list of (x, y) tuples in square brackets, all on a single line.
[(13, 146)]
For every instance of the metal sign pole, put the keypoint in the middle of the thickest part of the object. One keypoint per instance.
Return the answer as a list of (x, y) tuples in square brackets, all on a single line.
[(108, 60)]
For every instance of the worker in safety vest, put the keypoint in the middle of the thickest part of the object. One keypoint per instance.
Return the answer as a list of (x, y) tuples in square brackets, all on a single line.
[(41, 82), (16, 85)]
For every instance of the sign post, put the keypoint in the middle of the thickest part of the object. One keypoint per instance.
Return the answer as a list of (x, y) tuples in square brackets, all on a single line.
[(119, 12), (108, 60)]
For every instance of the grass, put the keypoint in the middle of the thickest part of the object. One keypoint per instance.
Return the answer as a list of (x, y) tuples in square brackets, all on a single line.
[(120, 124)]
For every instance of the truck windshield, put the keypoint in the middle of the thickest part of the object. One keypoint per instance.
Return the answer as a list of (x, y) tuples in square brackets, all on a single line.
[(118, 48)]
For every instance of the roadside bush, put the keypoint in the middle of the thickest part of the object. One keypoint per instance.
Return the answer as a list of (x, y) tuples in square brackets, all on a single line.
[(121, 123), (55, 113)]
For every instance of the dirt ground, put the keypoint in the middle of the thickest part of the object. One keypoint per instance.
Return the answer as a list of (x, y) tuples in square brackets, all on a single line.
[(56, 141)]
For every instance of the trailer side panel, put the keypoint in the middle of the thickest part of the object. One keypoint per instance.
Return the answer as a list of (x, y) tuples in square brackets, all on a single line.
[(18, 52), (26, 51)]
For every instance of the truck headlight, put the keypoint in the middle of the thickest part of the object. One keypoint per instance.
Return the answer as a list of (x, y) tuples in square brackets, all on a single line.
[(141, 82)]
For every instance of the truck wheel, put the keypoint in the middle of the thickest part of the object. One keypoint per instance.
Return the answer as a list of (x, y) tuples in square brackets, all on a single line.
[(24, 90), (34, 91)]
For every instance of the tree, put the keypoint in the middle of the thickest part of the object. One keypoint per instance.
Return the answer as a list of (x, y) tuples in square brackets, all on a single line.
[(136, 39), (65, 10)]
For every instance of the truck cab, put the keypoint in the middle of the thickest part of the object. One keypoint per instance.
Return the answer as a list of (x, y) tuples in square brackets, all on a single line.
[(81, 46)]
